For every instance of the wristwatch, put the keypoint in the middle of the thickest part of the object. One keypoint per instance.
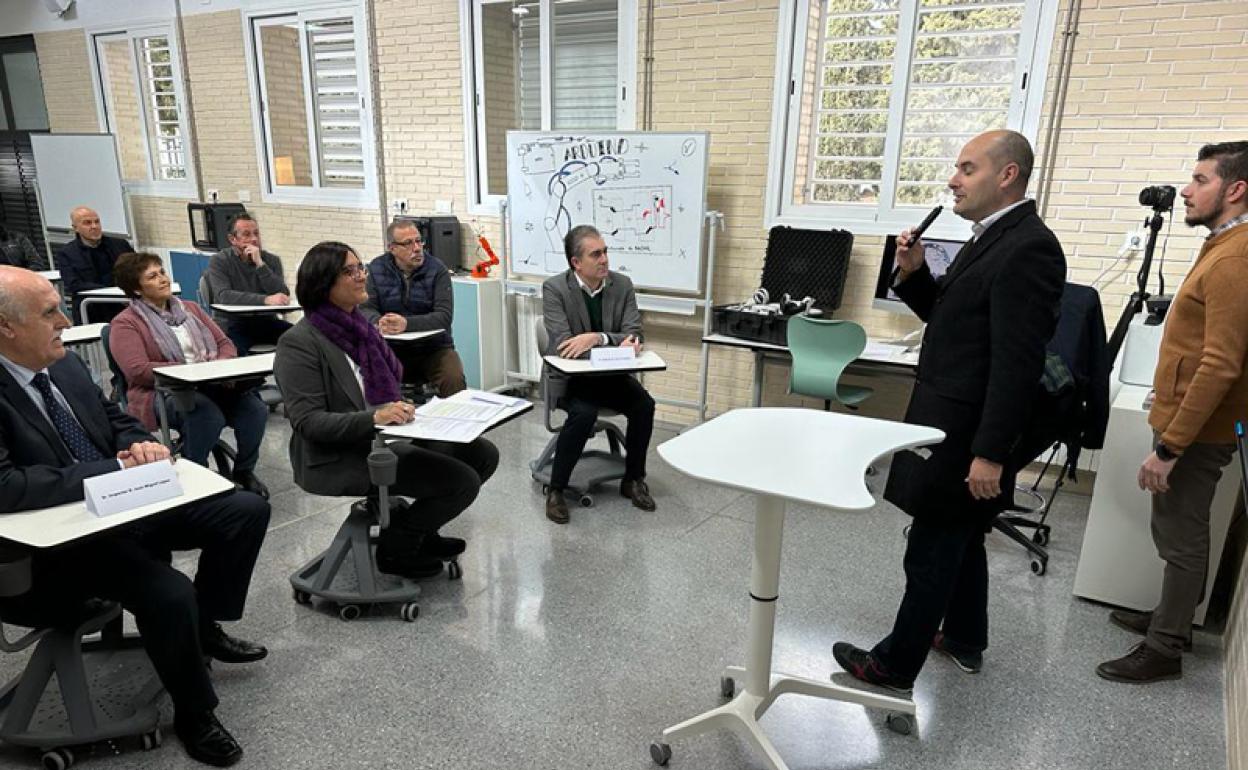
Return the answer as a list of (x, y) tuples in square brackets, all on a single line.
[(1164, 452)]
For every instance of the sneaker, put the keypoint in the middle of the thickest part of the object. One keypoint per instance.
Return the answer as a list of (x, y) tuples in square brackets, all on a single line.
[(970, 662), (1142, 665), (1138, 622), (862, 665)]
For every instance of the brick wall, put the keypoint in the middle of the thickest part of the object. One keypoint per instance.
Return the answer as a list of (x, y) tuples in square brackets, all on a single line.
[(501, 111), (67, 81), (126, 123), (288, 119)]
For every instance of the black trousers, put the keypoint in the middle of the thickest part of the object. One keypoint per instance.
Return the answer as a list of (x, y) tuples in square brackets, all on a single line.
[(582, 400), (133, 567), (946, 590), (445, 478), (262, 330)]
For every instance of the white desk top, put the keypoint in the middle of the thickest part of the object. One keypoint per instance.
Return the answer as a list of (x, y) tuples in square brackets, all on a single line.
[(648, 361), (256, 309), (217, 371), (51, 275), (797, 454), (741, 342), (412, 336), (114, 291), (877, 351), (47, 527), (81, 335)]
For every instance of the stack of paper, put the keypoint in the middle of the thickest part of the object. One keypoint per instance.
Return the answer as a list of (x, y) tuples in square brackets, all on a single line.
[(461, 418)]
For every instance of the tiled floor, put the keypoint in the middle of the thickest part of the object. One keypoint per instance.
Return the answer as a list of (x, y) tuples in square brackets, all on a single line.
[(574, 646)]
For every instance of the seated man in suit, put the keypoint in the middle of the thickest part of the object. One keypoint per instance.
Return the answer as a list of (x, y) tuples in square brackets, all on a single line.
[(246, 274), (410, 291), (585, 307), (86, 262), (56, 430)]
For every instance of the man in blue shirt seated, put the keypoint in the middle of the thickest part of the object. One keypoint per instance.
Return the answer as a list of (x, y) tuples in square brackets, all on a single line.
[(410, 291), (86, 262), (57, 430)]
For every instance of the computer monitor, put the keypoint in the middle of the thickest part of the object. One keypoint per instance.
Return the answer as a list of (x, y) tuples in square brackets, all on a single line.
[(939, 255)]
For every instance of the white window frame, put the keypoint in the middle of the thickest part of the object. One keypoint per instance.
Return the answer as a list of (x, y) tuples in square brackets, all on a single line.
[(470, 31), (314, 195), (181, 188), (1035, 42)]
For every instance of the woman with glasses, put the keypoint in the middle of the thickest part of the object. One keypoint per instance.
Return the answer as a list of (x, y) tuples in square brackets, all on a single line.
[(339, 381), (158, 329)]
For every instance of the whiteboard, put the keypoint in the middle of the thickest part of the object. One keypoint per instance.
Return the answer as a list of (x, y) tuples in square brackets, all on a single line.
[(646, 193), (75, 170)]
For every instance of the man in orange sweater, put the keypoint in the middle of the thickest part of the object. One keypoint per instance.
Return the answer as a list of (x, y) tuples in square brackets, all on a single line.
[(1201, 389)]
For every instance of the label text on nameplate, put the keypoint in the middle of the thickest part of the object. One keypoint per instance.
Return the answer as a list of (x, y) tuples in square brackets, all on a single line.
[(122, 491), (612, 357)]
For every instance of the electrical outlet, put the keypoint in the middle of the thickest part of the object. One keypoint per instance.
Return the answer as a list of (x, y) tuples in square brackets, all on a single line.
[(244, 196), (1132, 242), (213, 196), (399, 205), (442, 207)]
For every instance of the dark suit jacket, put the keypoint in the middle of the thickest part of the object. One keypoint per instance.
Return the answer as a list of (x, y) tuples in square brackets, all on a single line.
[(988, 321), (84, 268), (332, 426), (565, 315), (36, 468)]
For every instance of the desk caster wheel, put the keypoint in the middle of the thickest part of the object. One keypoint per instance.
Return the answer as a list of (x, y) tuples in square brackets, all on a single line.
[(58, 759), (150, 741), (409, 612), (661, 753), (1039, 567), (302, 597), (727, 686), (1041, 538), (453, 571), (349, 611), (902, 724), (587, 501)]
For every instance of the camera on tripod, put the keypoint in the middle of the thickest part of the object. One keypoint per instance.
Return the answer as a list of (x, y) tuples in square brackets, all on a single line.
[(1158, 197)]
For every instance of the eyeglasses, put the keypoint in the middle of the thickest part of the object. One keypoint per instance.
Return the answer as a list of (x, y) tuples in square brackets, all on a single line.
[(408, 243), (354, 270)]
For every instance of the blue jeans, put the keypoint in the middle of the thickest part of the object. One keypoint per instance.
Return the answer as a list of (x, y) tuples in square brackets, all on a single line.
[(215, 408)]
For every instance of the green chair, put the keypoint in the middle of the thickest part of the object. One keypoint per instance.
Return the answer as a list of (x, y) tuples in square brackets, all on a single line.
[(821, 350)]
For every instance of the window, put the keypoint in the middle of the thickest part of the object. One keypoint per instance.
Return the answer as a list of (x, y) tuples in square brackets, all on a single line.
[(21, 91), (312, 83), (876, 97), (140, 89), (542, 65)]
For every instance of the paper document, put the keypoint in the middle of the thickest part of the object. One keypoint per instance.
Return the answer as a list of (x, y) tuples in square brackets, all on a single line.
[(881, 351), (486, 397), (438, 429), (460, 409)]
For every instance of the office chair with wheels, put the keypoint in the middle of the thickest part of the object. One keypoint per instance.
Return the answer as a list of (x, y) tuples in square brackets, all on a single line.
[(91, 707), (595, 466), (821, 349), (222, 453)]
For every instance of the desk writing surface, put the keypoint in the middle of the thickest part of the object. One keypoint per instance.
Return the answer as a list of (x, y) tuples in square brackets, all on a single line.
[(216, 371), (79, 335), (412, 336), (814, 457), (116, 292), (877, 350), (648, 361), (431, 428), (47, 527), (256, 309), (51, 275)]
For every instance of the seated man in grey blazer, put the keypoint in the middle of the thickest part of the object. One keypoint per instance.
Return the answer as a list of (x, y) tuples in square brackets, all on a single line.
[(585, 307)]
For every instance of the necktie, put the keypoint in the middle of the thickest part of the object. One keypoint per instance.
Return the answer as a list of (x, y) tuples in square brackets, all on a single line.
[(74, 436)]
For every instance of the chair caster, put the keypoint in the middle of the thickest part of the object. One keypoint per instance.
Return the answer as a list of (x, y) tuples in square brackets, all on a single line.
[(586, 501), (302, 597), (349, 611), (902, 724), (1041, 538), (661, 753), (727, 687), (150, 741), (1039, 567), (453, 571), (57, 759), (409, 612)]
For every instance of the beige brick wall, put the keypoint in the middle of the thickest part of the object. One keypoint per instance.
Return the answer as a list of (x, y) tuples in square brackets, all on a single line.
[(288, 117), (1237, 677), (126, 122), (67, 81), (500, 109)]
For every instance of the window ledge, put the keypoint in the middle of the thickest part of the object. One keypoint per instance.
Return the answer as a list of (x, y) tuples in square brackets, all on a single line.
[(347, 199)]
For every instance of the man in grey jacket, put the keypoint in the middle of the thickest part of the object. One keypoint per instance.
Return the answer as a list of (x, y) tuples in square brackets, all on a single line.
[(245, 274), (585, 307)]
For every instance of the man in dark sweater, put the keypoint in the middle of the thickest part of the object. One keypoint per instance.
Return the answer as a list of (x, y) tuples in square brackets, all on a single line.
[(86, 262), (410, 291), (245, 274)]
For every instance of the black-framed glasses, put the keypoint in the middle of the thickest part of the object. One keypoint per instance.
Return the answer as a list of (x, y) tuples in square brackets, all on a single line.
[(407, 244), (354, 270)]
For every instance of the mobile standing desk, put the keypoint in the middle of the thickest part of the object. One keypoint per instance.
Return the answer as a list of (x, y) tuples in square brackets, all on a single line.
[(780, 454)]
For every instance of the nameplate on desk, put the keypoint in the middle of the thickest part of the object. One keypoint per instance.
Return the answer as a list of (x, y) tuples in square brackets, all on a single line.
[(125, 490), (612, 358)]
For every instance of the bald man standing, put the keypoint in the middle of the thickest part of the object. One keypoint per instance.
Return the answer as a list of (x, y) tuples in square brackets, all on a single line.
[(86, 262), (988, 321)]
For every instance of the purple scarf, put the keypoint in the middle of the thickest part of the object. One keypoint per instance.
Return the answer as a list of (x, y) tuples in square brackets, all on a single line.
[(361, 341), (159, 323)]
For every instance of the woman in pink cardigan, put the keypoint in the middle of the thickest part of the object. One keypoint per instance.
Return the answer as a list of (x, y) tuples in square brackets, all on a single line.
[(158, 329)]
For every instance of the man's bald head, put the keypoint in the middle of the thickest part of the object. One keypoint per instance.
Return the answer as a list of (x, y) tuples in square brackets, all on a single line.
[(17, 287), (86, 222), (31, 320), (1006, 147)]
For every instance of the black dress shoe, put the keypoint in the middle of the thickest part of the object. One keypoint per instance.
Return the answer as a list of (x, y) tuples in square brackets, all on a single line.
[(206, 740), (637, 491), (557, 507), (219, 645), (411, 563), (248, 481), (442, 548)]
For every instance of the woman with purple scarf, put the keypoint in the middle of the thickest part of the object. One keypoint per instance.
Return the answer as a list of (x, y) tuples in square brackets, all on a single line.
[(158, 329), (339, 381)]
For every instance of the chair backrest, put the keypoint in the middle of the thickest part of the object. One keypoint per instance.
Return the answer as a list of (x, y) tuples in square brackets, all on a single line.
[(204, 292), (118, 380), (549, 397), (821, 350)]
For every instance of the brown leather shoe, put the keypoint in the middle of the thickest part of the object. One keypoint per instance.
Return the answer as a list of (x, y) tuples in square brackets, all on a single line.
[(1141, 666), (557, 507), (1138, 622), (637, 491)]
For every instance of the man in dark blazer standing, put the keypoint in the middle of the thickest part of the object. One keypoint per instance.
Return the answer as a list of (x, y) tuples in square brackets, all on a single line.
[(56, 430), (585, 307), (988, 320)]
